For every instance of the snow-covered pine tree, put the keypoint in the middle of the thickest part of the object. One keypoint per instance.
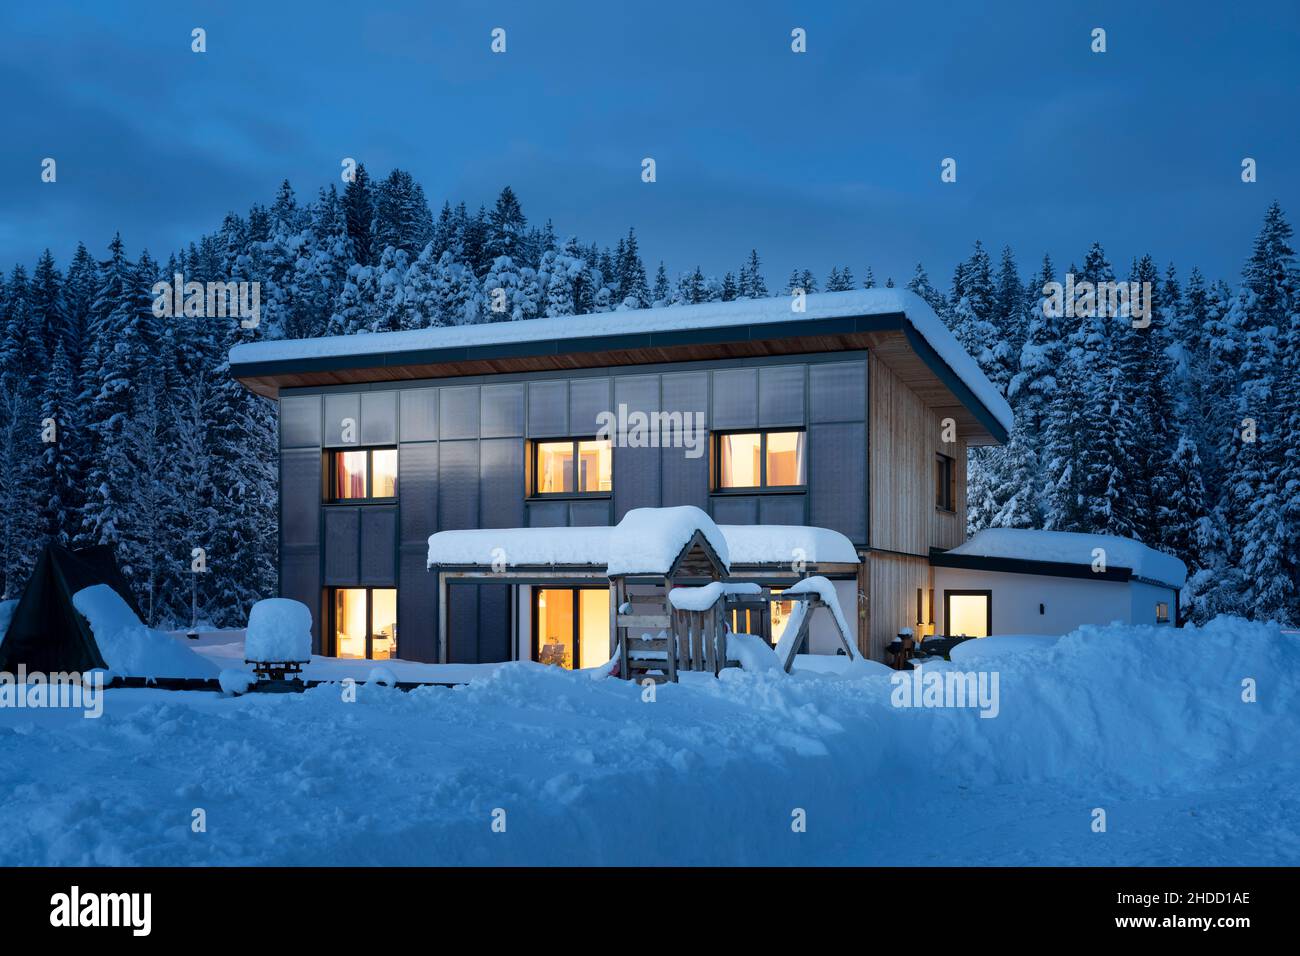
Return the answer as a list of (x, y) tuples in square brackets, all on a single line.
[(402, 217), (662, 291), (359, 215)]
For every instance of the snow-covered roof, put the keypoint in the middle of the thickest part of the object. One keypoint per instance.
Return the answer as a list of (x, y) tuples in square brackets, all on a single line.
[(1069, 547), (649, 534), (570, 330)]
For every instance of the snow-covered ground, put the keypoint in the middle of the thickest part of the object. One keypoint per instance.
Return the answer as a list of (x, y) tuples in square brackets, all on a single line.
[(1147, 724)]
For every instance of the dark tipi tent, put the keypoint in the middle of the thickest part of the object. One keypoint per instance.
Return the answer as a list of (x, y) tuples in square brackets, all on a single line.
[(46, 632)]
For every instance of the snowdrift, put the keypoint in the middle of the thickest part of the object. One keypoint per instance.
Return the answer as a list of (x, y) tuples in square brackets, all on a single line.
[(129, 648)]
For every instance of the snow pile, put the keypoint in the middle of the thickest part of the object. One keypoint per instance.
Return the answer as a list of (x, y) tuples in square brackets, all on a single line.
[(235, 682), (1069, 547), (128, 647), (768, 544), (7, 609), (279, 630), (983, 649), (648, 540), (1152, 723), (703, 598), (571, 330), (752, 652)]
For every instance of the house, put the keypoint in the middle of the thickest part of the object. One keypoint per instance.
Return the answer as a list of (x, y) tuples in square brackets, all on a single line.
[(830, 440), (1015, 581)]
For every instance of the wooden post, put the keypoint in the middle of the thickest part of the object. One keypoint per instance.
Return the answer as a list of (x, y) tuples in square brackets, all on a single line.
[(442, 617)]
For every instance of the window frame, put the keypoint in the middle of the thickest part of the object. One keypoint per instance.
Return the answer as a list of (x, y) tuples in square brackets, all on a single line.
[(330, 473), (534, 450), (948, 593), (331, 602), (949, 464), (575, 623), (1165, 619), (715, 461)]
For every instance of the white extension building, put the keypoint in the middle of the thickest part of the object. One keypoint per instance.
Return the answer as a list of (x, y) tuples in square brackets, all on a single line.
[(1015, 581)]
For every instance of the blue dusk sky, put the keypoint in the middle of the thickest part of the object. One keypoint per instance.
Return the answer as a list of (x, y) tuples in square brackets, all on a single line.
[(831, 157)]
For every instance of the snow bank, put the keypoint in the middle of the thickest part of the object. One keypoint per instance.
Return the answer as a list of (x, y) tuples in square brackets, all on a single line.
[(235, 682), (768, 544), (1147, 722), (571, 330), (1069, 547), (703, 598), (279, 629), (987, 648), (648, 540), (128, 647)]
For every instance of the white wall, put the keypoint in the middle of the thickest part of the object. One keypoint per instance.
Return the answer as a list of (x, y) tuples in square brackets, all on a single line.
[(1145, 598), (1067, 602)]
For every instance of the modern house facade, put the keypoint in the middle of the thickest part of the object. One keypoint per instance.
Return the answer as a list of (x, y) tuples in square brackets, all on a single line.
[(852, 416)]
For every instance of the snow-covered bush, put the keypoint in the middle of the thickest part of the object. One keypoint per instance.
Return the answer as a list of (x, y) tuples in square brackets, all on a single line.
[(279, 630)]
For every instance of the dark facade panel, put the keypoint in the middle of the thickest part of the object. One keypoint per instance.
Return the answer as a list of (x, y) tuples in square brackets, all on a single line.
[(458, 412), (462, 624), (548, 409), (735, 398), (837, 455), (548, 514), (300, 580), (837, 392), (342, 543), (735, 509), (494, 623), (685, 479), (589, 514), (378, 418), (458, 479), (417, 490), (300, 497), (781, 395), (300, 421), (417, 607), (501, 483), (379, 546), (503, 410), (783, 509), (419, 414), (342, 408), (636, 470), (588, 397)]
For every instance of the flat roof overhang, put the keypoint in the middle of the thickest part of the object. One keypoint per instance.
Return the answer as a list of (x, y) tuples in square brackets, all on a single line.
[(890, 337), (1055, 569), (556, 575)]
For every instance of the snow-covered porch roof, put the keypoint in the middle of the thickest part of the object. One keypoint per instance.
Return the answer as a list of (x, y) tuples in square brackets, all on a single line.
[(646, 541)]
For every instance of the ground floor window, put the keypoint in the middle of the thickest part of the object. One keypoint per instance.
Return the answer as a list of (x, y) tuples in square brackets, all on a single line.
[(571, 626), (968, 613), (363, 623), (747, 617), (1162, 612)]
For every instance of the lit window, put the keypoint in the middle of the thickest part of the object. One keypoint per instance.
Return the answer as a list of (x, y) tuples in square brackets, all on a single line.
[(573, 467), (780, 611), (1162, 612), (365, 623), (365, 474), (571, 625), (761, 460)]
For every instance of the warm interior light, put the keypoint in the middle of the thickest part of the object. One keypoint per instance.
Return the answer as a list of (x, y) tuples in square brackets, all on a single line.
[(785, 458), (968, 615), (350, 622)]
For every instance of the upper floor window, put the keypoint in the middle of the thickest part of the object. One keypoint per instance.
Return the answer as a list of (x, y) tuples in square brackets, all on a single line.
[(573, 466), (363, 474), (766, 459), (945, 483)]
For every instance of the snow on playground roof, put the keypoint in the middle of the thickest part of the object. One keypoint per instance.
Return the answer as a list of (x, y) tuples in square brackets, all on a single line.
[(571, 329), (648, 540), (1068, 547), (651, 532)]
